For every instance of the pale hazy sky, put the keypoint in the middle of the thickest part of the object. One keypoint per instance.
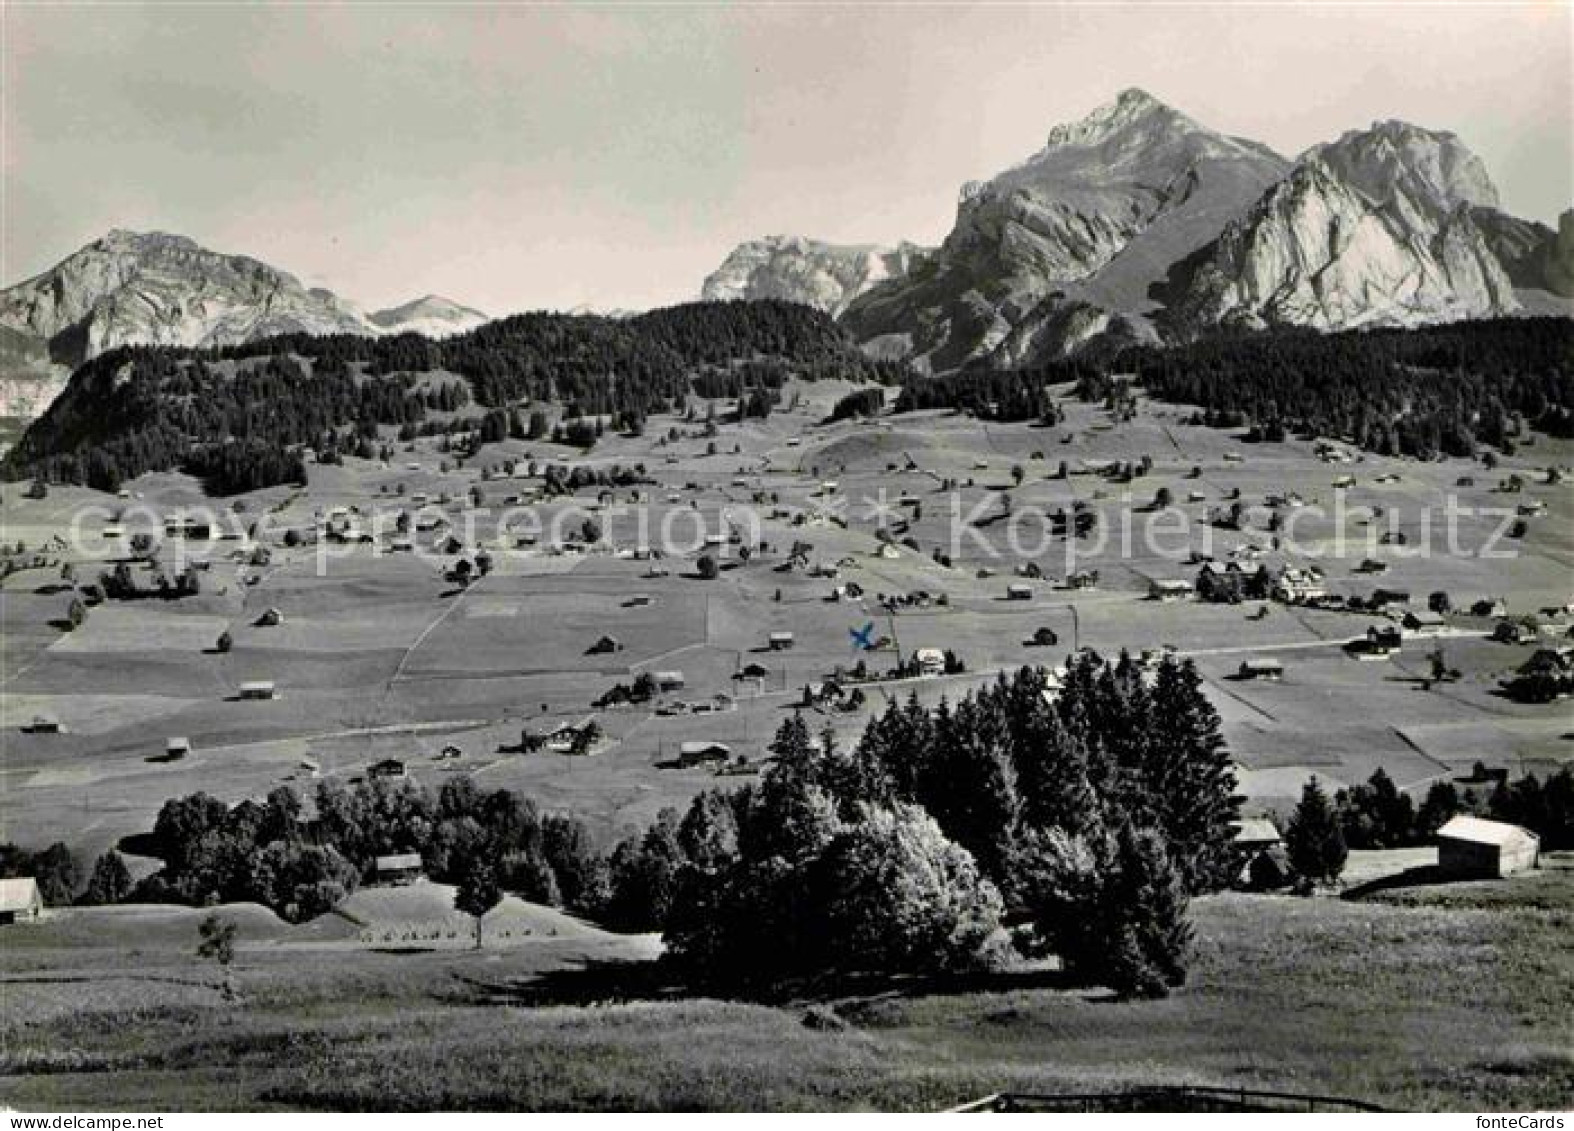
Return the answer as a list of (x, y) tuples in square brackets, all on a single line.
[(522, 157)]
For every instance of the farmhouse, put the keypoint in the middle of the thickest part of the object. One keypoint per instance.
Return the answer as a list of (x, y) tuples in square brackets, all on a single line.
[(780, 641), (388, 769), (1264, 863), (1474, 848), (20, 901), (1423, 620), (1294, 586), (1170, 589), (930, 661), (176, 748), (699, 753), (1384, 639), (1383, 598), (257, 689), (402, 868), (1261, 669)]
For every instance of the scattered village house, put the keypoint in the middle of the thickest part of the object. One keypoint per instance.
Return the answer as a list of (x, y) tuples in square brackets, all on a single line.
[(669, 680), (699, 753), (44, 724), (780, 641), (1170, 589), (1423, 620), (1474, 848), (930, 661), (1264, 863), (176, 748), (1018, 591), (388, 768), (20, 901), (1261, 669), (257, 689), (402, 868)]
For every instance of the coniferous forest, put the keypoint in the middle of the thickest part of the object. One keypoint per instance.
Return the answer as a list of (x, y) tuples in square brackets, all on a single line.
[(233, 415)]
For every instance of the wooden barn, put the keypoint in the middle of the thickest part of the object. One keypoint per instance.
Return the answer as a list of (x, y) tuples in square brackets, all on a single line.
[(1263, 668), (699, 753), (401, 868), (1478, 849), (20, 901)]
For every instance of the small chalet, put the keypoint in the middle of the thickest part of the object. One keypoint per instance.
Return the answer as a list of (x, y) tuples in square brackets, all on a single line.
[(257, 689), (1018, 591), (603, 645), (669, 680), (388, 769), (930, 661), (1262, 669), (176, 748), (1423, 620), (20, 901), (401, 868), (780, 641), (1170, 589), (271, 618), (701, 753)]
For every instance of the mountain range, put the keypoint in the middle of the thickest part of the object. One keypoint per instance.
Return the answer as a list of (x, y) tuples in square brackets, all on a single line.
[(132, 288), (1137, 224)]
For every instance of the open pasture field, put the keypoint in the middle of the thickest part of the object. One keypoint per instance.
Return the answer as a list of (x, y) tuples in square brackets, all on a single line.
[(378, 655), (1433, 999)]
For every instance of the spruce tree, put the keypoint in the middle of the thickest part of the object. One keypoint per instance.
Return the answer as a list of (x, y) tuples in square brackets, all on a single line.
[(1187, 779), (1313, 838)]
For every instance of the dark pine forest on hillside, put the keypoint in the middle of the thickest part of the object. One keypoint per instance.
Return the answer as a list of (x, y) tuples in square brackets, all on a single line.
[(236, 416)]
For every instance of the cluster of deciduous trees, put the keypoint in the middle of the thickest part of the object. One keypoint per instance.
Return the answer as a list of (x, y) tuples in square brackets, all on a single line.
[(301, 864), (1091, 815)]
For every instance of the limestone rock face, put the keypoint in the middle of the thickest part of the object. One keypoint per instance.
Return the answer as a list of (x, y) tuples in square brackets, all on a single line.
[(134, 288), (1097, 216), (794, 269), (1378, 228)]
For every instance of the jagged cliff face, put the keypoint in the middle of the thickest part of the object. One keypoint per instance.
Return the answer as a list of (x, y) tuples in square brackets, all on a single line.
[(157, 289), (822, 275), (1074, 235), (1377, 228)]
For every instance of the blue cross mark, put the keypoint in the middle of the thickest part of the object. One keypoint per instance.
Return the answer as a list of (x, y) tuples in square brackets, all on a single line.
[(862, 637)]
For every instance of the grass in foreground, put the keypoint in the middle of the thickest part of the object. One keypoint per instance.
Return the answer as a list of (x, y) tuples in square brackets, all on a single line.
[(1459, 1006)]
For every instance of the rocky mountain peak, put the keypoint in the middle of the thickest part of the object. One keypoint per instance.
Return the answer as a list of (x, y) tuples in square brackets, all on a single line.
[(1390, 159)]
